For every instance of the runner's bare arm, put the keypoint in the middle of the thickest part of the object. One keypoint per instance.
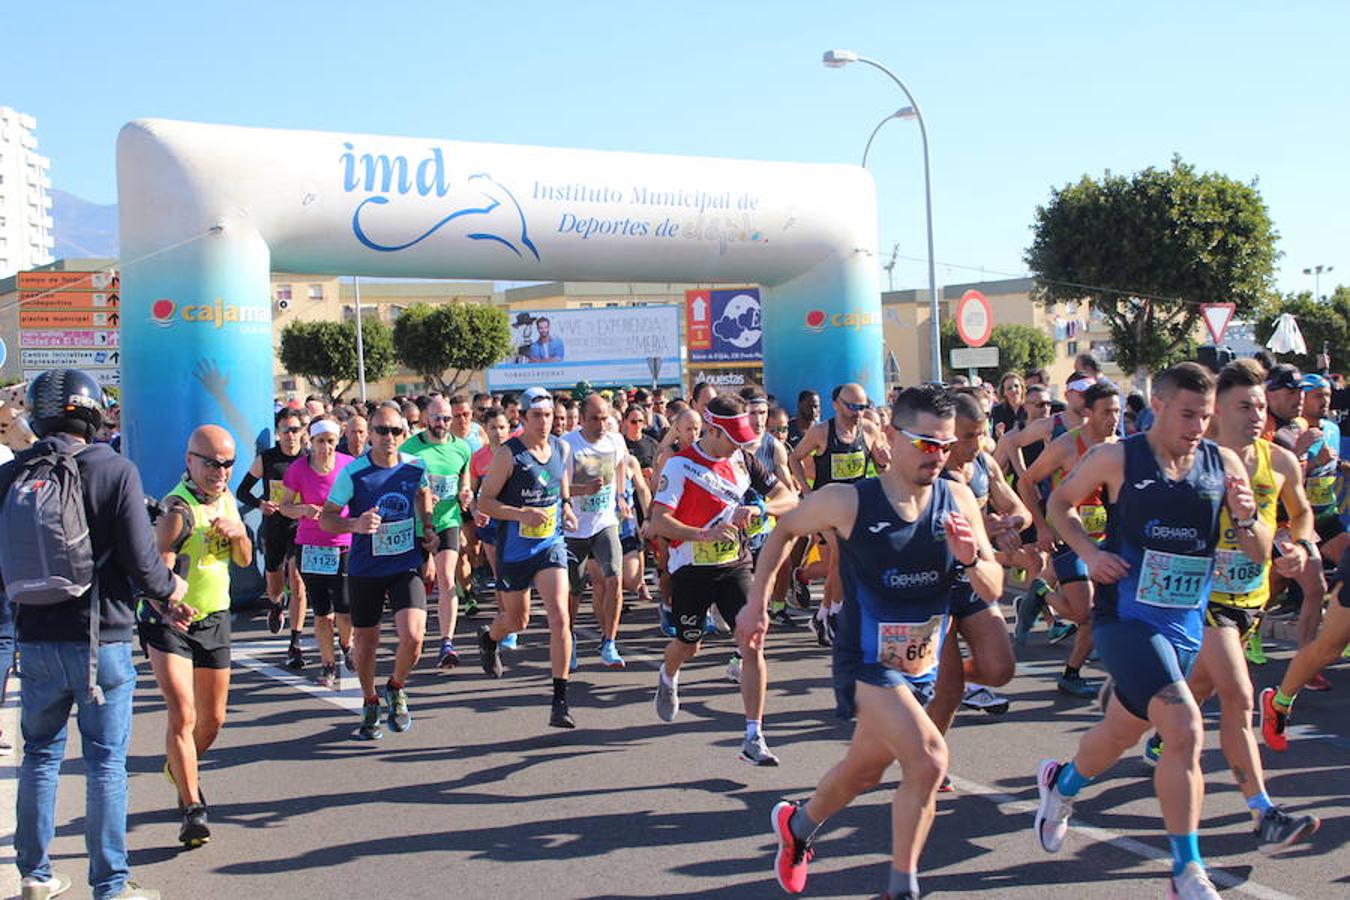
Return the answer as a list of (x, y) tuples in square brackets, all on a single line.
[(1292, 495), (1255, 541), (642, 493), (1103, 466), (811, 442), (1045, 465), (498, 473), (1002, 498), (984, 572)]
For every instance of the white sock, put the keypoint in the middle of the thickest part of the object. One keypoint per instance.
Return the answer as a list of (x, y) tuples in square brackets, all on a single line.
[(823, 613), (751, 729), (669, 680)]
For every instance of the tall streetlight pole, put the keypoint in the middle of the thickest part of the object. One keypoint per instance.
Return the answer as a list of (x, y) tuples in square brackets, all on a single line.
[(837, 59), (1316, 273)]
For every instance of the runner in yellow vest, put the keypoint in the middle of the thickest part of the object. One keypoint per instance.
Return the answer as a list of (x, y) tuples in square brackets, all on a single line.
[(189, 642)]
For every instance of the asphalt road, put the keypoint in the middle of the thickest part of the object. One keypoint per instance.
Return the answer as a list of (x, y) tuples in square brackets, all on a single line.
[(481, 799)]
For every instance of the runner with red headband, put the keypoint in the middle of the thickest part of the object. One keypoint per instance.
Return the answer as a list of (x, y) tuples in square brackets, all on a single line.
[(700, 507)]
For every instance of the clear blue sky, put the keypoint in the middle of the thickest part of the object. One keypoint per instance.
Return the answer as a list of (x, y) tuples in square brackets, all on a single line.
[(1019, 97)]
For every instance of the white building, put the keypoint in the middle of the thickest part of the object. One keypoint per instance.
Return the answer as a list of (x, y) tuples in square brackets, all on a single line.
[(25, 196)]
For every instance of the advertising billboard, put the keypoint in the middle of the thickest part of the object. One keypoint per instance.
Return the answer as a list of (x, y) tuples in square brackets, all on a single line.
[(556, 348), (724, 326)]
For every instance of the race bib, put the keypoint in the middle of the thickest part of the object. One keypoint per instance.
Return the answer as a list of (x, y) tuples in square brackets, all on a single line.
[(909, 647), (443, 487), (716, 553), (276, 490), (1322, 490), (546, 530), (1172, 581), (844, 466), (319, 560), (392, 538), (1236, 573), (600, 501), (759, 525), (1094, 520)]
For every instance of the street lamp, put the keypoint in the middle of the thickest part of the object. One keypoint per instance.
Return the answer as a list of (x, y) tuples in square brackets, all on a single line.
[(1316, 273), (905, 113), (837, 59)]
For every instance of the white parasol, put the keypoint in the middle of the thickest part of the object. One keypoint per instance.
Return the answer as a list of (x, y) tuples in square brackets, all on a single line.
[(1287, 338)]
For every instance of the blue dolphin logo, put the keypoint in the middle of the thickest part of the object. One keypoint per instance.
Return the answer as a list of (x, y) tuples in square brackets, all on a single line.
[(494, 192)]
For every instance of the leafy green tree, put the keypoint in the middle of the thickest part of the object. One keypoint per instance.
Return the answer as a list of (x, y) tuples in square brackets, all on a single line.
[(1147, 249), (1020, 347), (324, 353), (447, 343), (1322, 324)]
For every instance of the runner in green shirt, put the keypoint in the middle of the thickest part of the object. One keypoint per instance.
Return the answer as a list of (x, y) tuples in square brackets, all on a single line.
[(447, 461)]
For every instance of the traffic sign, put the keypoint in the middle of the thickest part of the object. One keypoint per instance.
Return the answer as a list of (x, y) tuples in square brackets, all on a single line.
[(69, 281), (73, 359), (68, 339), (68, 318), (68, 300), (974, 319), (1217, 316), (974, 357), (105, 377)]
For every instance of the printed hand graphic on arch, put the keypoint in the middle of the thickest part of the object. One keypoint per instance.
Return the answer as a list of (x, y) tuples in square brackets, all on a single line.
[(499, 219)]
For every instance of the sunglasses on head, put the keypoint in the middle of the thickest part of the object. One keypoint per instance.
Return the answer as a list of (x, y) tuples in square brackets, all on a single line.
[(388, 430), (926, 444), (856, 407), (212, 463)]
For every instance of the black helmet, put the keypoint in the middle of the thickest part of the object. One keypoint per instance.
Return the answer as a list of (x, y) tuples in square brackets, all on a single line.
[(65, 400)]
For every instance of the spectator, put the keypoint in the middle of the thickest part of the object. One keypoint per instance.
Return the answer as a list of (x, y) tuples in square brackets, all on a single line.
[(66, 409), (1012, 392)]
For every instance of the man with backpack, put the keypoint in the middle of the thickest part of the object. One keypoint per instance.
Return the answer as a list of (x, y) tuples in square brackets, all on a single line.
[(76, 548)]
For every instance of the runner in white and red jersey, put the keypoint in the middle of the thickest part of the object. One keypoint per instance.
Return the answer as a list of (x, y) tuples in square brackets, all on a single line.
[(707, 495)]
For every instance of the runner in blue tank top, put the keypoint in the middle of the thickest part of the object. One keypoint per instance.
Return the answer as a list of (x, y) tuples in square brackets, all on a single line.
[(901, 538), (1164, 490), (527, 490)]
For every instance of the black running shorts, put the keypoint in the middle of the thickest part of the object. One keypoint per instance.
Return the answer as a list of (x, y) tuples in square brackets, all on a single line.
[(368, 596), (695, 589)]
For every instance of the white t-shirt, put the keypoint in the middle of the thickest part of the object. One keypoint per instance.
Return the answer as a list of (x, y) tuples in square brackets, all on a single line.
[(594, 463), (6, 454)]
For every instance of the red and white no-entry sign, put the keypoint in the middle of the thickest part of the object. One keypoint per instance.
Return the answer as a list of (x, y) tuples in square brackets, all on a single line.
[(974, 319), (1217, 316)]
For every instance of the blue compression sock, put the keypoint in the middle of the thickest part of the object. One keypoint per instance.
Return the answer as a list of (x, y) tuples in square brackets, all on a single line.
[(1071, 781), (1259, 804), (1185, 849)]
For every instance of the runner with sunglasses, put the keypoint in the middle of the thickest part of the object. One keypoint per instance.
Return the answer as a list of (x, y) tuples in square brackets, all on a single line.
[(277, 533), (840, 448), (1164, 491), (903, 538), (388, 506)]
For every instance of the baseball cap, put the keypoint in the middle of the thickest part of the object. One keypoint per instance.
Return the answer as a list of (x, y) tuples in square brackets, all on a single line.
[(1314, 382), (1080, 381), (737, 428), (536, 397)]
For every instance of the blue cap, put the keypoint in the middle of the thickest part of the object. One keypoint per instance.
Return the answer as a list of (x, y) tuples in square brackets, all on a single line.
[(1314, 382)]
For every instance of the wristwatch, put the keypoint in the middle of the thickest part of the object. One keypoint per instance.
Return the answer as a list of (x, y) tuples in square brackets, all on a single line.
[(1246, 524)]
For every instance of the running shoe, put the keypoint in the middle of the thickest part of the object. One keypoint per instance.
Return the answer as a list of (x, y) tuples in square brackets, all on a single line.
[(818, 626), (1254, 651), (396, 699), (831, 624), (348, 661), (793, 856), (328, 675), (667, 624), (1029, 607), (756, 752), (781, 618), (609, 655), (800, 593), (449, 659), (1062, 631), (295, 658), (276, 613), (1077, 686), (1318, 683), (1153, 748), (468, 605), (1052, 815), (713, 623), (133, 891), (1279, 831), (561, 716), (1273, 722), (667, 700), (980, 697), (945, 785), (510, 642), (734, 668), (1192, 884), (34, 888), (370, 722), (195, 831), (489, 653)]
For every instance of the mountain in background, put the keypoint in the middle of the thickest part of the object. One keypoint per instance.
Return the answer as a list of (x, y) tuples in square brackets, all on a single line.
[(83, 230)]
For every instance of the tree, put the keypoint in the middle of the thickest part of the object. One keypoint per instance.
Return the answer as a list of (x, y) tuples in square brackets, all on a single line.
[(447, 343), (324, 353), (1020, 347), (1148, 249), (1322, 324)]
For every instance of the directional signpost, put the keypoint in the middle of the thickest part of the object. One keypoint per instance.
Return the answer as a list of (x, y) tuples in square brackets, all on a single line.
[(70, 320)]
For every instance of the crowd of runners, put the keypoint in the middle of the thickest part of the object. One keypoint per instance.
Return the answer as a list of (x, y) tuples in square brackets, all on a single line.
[(1152, 538)]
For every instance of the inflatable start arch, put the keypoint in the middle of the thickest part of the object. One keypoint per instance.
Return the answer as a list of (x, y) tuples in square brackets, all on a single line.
[(208, 211)]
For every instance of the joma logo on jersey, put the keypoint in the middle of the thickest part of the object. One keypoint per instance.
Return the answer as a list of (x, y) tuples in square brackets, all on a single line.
[(898, 581)]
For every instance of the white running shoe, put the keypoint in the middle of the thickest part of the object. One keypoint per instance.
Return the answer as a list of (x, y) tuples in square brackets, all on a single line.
[(1052, 815), (34, 888), (1192, 884), (734, 668)]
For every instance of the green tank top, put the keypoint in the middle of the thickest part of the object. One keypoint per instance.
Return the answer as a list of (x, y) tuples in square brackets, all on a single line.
[(208, 575)]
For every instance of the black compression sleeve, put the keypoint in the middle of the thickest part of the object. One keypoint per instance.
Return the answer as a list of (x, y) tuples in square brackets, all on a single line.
[(244, 492)]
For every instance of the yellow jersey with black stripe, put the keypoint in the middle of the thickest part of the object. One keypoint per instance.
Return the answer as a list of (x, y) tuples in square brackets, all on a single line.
[(1240, 581)]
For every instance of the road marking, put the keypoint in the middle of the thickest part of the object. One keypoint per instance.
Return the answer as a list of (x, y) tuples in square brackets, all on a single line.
[(9, 793), (1010, 805), (348, 699)]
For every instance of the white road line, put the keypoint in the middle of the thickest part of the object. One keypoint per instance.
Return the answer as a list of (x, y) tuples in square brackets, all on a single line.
[(1012, 806), (349, 698), (9, 792)]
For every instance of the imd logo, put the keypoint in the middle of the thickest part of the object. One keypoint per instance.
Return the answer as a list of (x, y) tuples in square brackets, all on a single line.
[(161, 312)]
